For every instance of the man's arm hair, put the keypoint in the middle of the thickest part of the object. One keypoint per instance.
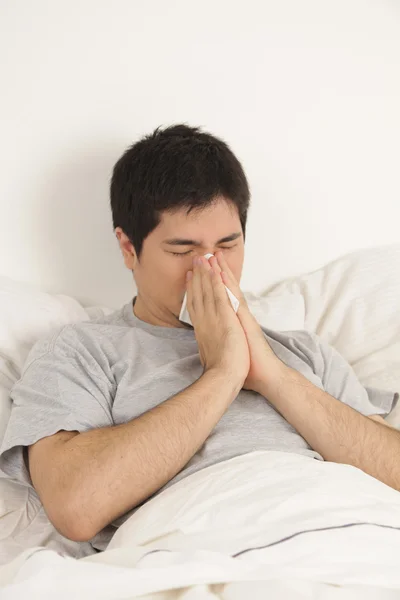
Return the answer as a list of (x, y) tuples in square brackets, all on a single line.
[(86, 480), (338, 432)]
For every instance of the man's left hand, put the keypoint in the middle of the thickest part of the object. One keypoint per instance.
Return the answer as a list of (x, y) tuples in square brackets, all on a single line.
[(265, 366)]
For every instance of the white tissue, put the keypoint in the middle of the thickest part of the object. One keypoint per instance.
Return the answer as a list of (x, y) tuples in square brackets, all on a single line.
[(184, 314)]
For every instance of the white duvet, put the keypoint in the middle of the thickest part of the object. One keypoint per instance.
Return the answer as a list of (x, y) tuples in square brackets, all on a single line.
[(267, 524)]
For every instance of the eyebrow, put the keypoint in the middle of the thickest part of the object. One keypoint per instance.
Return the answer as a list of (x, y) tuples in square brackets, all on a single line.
[(184, 242)]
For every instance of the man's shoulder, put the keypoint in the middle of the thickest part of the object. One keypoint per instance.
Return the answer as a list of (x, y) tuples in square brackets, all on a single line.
[(294, 338), (81, 337), (300, 343), (98, 324)]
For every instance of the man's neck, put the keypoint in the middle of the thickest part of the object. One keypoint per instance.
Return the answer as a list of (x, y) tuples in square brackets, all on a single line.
[(149, 313)]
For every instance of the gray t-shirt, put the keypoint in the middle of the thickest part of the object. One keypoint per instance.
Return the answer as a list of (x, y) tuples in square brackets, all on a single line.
[(106, 372)]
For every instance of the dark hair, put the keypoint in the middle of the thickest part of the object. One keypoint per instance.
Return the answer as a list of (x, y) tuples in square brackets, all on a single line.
[(172, 168)]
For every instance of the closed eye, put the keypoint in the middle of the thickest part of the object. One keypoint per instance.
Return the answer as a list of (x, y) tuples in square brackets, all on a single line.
[(189, 251)]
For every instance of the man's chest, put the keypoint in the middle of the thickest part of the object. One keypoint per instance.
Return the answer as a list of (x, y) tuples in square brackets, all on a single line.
[(152, 374), (151, 378)]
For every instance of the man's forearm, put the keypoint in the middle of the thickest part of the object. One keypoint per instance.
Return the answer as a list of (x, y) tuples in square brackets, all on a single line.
[(338, 432), (109, 471)]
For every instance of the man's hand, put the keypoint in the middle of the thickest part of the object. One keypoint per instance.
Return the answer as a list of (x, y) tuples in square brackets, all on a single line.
[(222, 342), (265, 366)]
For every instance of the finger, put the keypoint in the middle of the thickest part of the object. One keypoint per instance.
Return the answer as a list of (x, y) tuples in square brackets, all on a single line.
[(217, 269), (221, 298), (214, 264), (205, 263), (224, 265), (189, 290), (208, 294), (228, 277), (197, 289)]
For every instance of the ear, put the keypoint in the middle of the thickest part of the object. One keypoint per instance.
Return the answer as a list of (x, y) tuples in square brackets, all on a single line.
[(127, 249)]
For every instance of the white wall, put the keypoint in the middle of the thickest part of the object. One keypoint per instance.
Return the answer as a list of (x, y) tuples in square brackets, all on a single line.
[(306, 92)]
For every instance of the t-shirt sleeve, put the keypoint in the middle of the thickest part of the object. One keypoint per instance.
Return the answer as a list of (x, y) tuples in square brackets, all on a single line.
[(62, 387), (340, 381)]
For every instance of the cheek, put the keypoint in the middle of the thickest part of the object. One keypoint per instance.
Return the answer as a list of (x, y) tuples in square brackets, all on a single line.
[(175, 269), (184, 265)]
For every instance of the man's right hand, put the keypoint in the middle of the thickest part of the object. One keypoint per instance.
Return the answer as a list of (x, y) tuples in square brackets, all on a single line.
[(220, 337)]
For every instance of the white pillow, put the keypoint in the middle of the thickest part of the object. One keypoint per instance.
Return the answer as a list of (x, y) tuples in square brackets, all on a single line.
[(283, 311), (353, 303), (27, 314)]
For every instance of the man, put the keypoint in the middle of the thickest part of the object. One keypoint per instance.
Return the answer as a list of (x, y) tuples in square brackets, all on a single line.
[(108, 413)]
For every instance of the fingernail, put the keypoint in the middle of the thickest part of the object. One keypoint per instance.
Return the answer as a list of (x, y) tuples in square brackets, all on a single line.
[(189, 275)]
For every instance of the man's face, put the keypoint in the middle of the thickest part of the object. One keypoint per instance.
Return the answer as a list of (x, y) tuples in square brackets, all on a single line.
[(168, 251)]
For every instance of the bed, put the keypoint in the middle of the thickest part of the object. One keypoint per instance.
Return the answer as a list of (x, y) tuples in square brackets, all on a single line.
[(259, 524)]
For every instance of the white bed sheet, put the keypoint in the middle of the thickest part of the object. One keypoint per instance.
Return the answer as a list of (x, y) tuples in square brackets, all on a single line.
[(260, 523)]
